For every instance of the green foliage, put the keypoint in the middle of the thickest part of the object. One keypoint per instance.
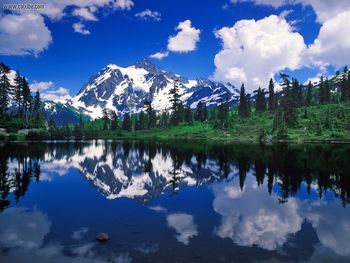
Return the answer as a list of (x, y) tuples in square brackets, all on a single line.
[(38, 134), (127, 125), (201, 113), (243, 107), (5, 89), (272, 105), (260, 103), (308, 100), (176, 104)]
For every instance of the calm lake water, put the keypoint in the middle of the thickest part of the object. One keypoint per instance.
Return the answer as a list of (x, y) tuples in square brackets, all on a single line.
[(174, 202)]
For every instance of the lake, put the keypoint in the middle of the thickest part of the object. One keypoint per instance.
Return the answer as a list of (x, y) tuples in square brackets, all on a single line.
[(178, 201)]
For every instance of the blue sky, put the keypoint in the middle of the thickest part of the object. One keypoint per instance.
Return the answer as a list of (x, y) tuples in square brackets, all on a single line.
[(274, 37)]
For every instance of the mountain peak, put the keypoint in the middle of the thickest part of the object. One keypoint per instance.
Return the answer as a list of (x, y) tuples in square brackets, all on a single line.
[(147, 65)]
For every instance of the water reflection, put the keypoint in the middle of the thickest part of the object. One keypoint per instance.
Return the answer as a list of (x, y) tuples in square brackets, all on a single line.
[(287, 203)]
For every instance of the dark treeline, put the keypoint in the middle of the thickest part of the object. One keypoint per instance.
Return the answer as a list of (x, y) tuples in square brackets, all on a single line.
[(19, 108), (282, 169)]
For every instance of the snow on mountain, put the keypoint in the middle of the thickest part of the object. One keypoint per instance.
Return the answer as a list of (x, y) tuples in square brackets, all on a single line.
[(124, 90)]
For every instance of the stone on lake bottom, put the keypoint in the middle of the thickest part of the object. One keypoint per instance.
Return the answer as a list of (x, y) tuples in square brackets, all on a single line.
[(102, 237)]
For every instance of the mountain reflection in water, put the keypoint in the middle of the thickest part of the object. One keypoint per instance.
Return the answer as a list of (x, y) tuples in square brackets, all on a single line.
[(174, 202)]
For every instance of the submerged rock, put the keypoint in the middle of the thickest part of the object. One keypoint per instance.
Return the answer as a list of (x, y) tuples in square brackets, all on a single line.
[(102, 237)]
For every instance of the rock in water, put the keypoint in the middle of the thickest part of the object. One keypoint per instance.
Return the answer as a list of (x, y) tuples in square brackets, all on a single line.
[(102, 237)]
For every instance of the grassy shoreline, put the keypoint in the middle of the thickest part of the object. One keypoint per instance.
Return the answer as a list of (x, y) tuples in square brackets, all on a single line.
[(199, 131)]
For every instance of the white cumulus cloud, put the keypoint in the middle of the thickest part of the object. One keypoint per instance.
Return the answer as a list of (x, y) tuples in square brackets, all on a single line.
[(253, 51), (59, 94), (85, 14), (148, 14), (186, 39), (332, 46), (80, 28), (324, 9), (41, 86), (123, 4), (23, 34), (159, 55)]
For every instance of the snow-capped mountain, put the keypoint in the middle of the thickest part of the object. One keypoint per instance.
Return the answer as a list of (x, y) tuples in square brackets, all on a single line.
[(124, 90)]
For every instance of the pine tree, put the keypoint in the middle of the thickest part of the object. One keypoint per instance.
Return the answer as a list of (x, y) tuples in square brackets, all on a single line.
[(26, 99), (141, 122), (309, 94), (243, 105), (205, 113), (188, 117), (297, 92), (164, 117), (223, 114), (175, 103), (327, 91), (126, 125), (322, 93), (344, 89), (272, 96), (199, 111), (348, 85), (4, 94), (17, 91), (151, 115), (260, 101), (105, 119), (288, 102), (36, 102), (115, 125)]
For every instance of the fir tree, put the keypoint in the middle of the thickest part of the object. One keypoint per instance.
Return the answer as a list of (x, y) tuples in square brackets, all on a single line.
[(188, 118), (4, 94), (288, 103), (164, 117), (344, 89), (151, 115), (223, 114), (26, 99), (115, 125), (17, 91), (243, 105), (348, 85), (105, 119), (297, 93), (199, 111), (322, 93), (175, 103), (272, 96), (36, 102), (327, 91), (309, 94), (260, 103), (127, 125), (205, 113), (141, 122)]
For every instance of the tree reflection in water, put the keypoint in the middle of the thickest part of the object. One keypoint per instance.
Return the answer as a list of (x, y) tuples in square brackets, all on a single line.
[(282, 168)]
